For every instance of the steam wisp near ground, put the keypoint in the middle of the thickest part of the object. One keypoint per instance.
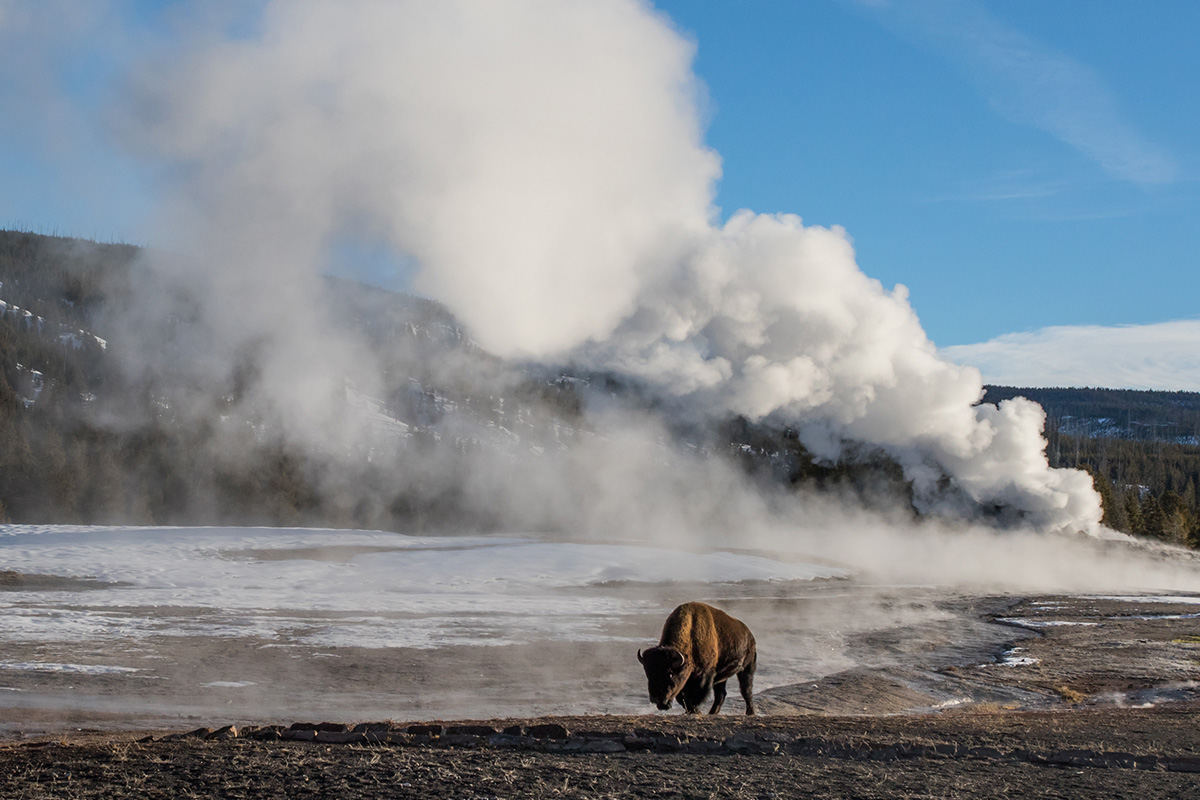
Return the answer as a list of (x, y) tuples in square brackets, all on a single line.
[(133, 627)]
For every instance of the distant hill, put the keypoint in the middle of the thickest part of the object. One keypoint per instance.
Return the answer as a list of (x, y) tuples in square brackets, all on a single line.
[(1144, 416)]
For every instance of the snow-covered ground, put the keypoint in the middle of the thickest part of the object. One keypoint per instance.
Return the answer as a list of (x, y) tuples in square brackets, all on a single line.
[(132, 627), (344, 588), (171, 622)]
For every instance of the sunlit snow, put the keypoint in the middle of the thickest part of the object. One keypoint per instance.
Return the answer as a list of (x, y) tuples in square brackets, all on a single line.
[(343, 588)]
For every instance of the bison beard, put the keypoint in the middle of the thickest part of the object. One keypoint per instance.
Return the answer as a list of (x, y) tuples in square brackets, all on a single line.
[(701, 648)]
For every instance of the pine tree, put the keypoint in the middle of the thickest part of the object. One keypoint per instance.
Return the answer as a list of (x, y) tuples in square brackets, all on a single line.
[(1153, 518), (1133, 512)]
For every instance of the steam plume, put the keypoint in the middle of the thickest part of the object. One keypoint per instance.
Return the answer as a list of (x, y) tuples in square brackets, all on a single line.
[(542, 164)]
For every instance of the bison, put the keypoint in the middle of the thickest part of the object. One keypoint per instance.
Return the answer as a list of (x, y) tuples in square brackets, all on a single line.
[(701, 648)]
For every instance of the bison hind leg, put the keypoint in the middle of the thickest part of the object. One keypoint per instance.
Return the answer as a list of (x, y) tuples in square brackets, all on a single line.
[(719, 691), (746, 684)]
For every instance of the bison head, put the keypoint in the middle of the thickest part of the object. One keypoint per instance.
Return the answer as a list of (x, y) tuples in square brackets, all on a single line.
[(666, 673)]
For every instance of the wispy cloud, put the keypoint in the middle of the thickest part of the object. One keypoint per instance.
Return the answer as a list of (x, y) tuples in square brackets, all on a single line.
[(1003, 187), (1163, 355), (1032, 84)]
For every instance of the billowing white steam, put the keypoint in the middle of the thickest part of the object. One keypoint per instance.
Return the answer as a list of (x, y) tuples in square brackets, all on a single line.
[(542, 161), (773, 319)]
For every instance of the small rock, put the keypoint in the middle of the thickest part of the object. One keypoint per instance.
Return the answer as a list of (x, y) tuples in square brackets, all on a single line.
[(614, 735), (514, 730), (222, 734), (372, 727), (638, 743), (334, 727), (550, 730), (668, 743), (569, 745), (1120, 760), (1076, 758), (811, 748), (505, 740), (461, 740), (299, 735), (750, 742), (270, 733), (425, 730), (471, 730)]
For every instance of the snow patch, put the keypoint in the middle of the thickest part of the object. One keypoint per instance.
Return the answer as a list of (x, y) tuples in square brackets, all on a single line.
[(229, 684), (1179, 599), (75, 669), (1044, 623), (1013, 658)]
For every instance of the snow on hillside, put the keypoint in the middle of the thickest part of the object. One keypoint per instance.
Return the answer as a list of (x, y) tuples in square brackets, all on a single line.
[(68, 337)]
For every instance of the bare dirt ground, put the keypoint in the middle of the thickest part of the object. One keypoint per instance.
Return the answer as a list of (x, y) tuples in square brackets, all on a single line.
[(977, 755), (1078, 698)]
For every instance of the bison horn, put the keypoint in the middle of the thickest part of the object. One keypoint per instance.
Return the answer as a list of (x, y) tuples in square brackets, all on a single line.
[(677, 659), (641, 658)]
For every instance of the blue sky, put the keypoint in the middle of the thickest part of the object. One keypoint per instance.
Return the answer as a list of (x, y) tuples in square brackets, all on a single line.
[(1019, 165)]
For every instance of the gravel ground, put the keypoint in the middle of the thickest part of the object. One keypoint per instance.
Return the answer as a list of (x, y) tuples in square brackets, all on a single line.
[(95, 765)]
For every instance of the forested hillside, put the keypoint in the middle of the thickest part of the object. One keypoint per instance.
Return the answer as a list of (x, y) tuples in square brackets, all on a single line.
[(1142, 448), (1171, 417), (83, 440)]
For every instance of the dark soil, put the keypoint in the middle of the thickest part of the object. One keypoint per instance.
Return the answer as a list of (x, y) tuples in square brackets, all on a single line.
[(93, 765)]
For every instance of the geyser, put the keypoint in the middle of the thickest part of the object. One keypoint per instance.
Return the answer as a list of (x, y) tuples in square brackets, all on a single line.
[(542, 163)]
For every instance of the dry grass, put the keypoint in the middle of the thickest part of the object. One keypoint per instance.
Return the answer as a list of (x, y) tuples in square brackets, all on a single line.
[(1070, 695)]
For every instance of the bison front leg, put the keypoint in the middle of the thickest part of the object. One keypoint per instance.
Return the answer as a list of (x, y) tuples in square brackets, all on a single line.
[(719, 691), (746, 684), (693, 695)]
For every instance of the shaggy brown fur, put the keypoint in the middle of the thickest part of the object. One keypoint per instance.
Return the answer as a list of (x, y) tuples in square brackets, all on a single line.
[(700, 649)]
